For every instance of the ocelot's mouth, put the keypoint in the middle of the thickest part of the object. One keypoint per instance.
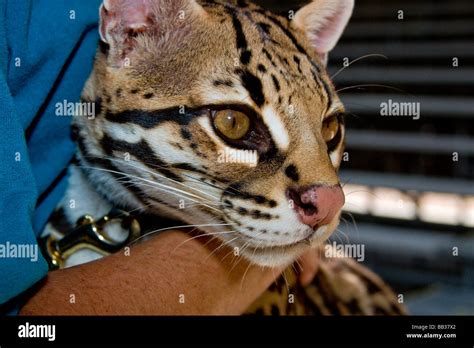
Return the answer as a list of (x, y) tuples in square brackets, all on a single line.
[(283, 247), (307, 236), (264, 244), (280, 253)]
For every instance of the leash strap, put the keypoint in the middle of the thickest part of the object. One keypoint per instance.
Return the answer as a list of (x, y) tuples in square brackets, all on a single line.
[(89, 234), (92, 234)]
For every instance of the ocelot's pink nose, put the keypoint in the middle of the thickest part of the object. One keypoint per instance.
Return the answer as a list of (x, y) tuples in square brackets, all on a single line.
[(317, 205)]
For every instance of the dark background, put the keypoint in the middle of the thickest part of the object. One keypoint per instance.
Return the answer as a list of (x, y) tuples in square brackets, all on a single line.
[(411, 157)]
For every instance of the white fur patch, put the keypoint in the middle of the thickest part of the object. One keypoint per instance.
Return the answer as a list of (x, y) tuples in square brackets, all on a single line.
[(158, 138), (229, 95), (128, 132), (336, 155), (276, 127), (205, 124), (81, 198)]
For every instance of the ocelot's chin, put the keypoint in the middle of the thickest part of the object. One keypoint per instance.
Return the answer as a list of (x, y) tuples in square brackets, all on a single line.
[(285, 255), (274, 257)]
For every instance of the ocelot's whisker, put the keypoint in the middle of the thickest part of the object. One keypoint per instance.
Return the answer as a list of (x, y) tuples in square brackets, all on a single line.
[(131, 182), (198, 204), (154, 184), (174, 228), (347, 182), (294, 268), (151, 172), (286, 281), (162, 176), (249, 264), (356, 60), (201, 236), (353, 222), (222, 244), (154, 165), (297, 261), (335, 235), (245, 273), (243, 248), (344, 234), (225, 256), (212, 220), (373, 85), (359, 191), (213, 185)]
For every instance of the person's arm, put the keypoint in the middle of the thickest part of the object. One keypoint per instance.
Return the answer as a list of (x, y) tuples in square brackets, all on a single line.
[(157, 277)]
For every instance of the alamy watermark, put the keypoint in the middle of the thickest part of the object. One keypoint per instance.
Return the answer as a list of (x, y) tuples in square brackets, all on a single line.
[(355, 251), (78, 109), (238, 156), (28, 330), (19, 251), (396, 108)]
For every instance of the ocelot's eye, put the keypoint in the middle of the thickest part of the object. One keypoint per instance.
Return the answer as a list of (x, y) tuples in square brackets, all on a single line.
[(233, 125), (332, 131)]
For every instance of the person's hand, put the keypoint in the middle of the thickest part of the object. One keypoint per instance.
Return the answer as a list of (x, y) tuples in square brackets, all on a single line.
[(308, 264)]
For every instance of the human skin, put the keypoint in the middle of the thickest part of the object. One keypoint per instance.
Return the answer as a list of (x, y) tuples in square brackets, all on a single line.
[(155, 279)]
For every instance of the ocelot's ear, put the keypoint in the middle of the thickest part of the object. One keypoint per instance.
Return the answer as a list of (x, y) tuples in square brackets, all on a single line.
[(127, 24), (323, 21)]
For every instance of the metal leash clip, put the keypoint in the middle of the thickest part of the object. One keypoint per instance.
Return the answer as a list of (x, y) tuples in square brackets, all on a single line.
[(92, 235)]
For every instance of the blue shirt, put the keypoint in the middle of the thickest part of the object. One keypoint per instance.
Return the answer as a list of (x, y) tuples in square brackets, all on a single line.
[(47, 49)]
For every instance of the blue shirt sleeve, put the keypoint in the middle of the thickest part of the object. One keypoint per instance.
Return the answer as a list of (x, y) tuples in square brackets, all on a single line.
[(46, 54)]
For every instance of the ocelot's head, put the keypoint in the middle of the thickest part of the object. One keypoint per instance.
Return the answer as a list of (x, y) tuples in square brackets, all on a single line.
[(222, 115)]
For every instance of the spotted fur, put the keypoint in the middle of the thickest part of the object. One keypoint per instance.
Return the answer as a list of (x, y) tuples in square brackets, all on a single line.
[(162, 69), (152, 145), (341, 287)]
